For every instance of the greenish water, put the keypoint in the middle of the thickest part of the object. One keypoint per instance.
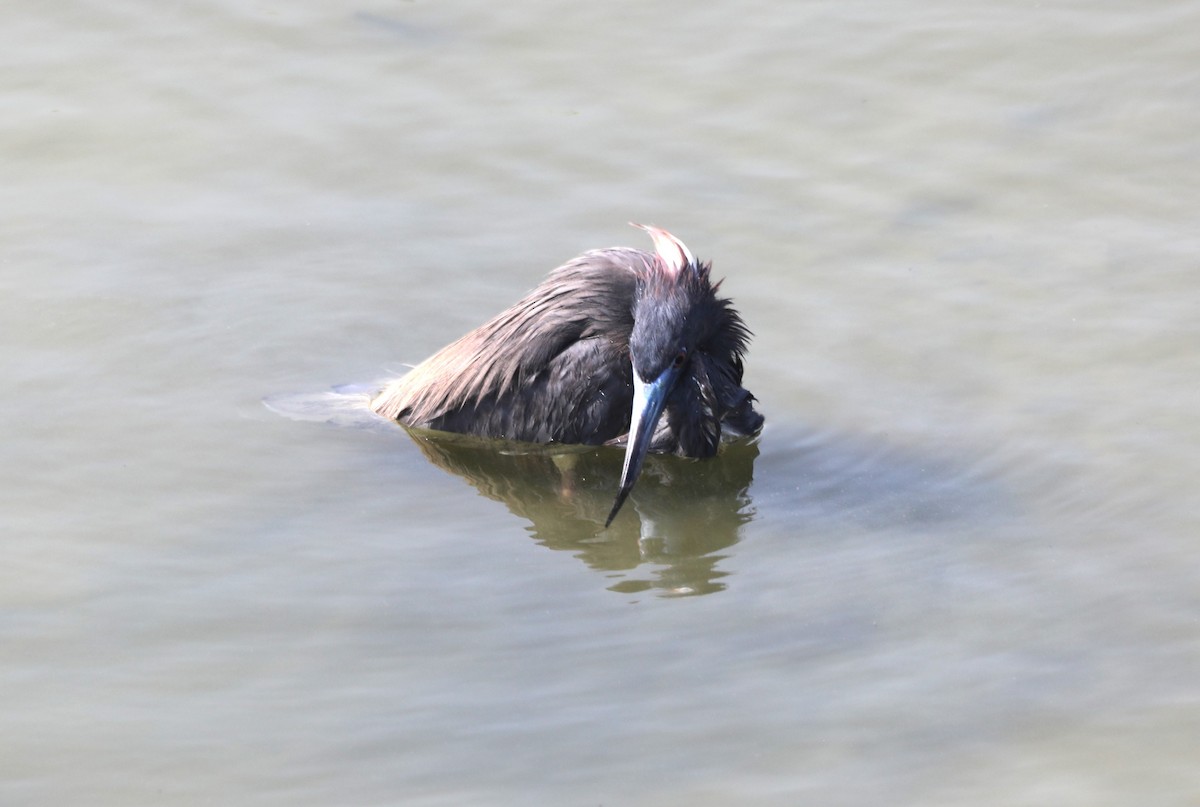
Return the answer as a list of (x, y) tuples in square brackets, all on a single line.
[(958, 566)]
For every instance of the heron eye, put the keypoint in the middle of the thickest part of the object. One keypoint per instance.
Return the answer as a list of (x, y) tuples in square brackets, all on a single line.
[(680, 357)]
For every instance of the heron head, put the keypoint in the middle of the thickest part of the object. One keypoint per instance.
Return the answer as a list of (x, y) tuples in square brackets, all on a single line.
[(672, 311)]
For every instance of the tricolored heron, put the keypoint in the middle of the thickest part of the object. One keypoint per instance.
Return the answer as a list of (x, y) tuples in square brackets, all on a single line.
[(616, 346)]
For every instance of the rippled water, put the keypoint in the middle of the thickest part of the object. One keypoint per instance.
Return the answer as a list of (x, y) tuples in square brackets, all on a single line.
[(958, 566)]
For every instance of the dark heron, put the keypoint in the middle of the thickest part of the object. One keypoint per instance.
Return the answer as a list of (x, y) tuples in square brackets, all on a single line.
[(616, 346)]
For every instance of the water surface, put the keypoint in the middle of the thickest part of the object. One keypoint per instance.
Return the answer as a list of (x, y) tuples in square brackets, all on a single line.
[(958, 566)]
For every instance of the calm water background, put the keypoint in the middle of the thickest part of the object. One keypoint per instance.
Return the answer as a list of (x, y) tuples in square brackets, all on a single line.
[(965, 235)]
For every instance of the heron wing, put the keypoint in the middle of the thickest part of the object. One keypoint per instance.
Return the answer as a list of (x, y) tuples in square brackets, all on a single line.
[(524, 375)]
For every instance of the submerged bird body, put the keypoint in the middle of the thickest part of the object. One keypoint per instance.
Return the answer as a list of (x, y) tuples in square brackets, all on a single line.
[(615, 342)]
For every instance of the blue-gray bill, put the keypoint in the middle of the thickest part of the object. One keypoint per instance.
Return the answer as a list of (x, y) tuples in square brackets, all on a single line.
[(648, 401)]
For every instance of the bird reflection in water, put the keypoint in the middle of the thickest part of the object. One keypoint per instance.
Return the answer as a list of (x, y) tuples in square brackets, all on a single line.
[(683, 514)]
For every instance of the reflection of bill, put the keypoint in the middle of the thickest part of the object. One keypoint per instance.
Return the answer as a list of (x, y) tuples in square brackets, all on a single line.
[(684, 511)]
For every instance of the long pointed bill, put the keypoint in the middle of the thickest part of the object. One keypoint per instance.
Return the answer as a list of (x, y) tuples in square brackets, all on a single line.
[(648, 401)]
